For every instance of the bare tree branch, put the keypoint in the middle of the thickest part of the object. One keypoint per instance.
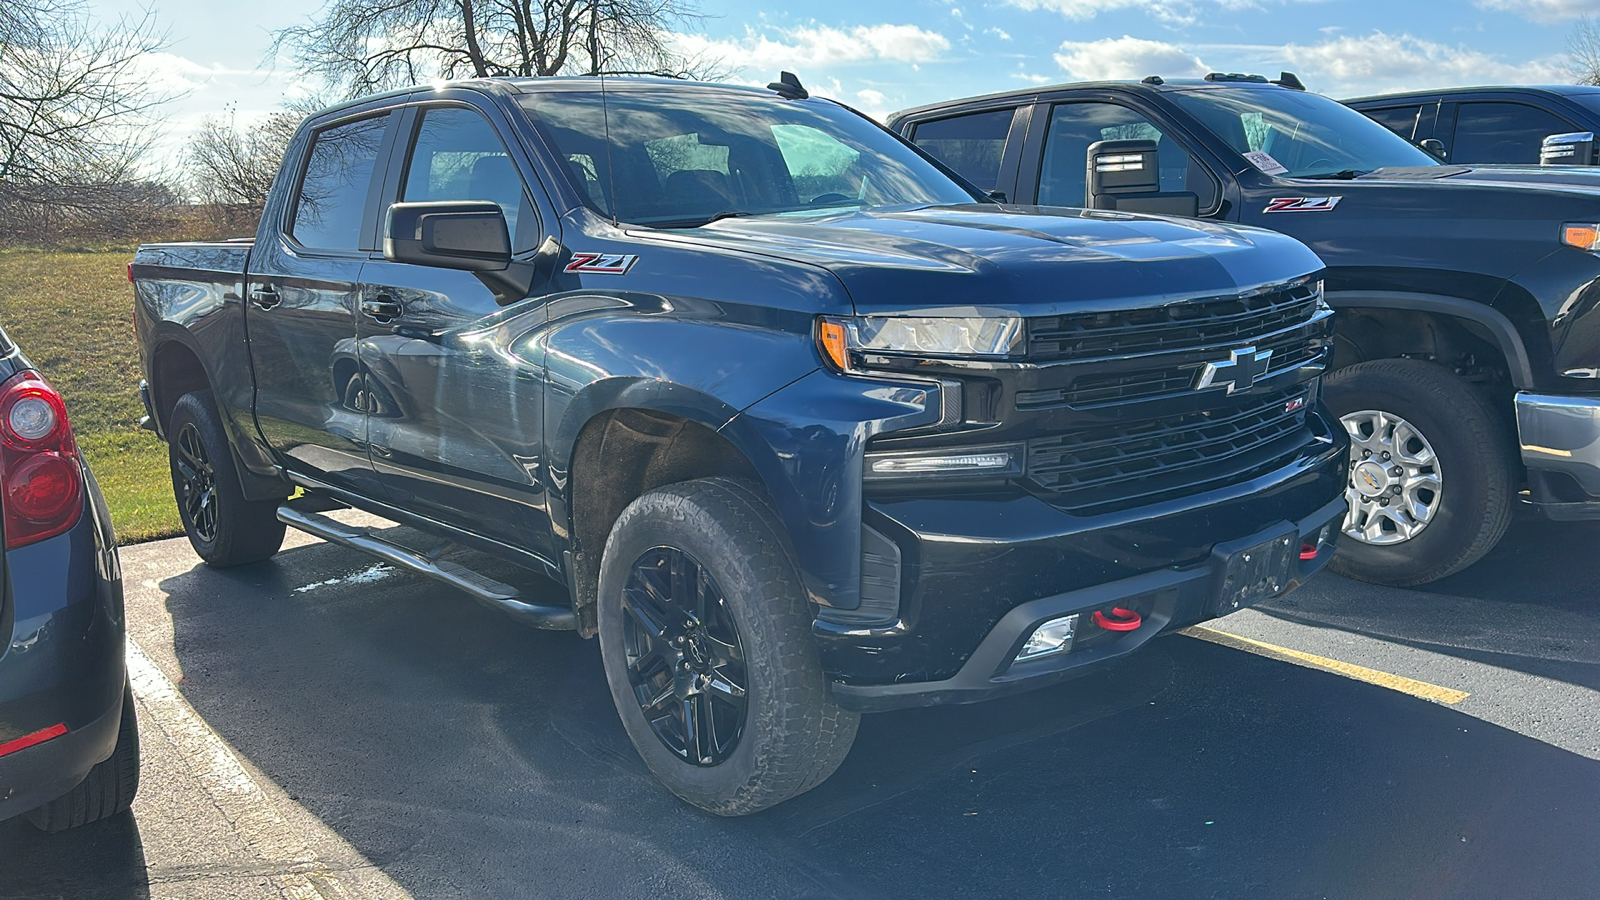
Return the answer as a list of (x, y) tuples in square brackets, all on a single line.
[(1583, 51), (368, 45)]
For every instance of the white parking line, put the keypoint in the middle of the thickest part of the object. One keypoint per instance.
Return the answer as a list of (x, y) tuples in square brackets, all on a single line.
[(247, 808)]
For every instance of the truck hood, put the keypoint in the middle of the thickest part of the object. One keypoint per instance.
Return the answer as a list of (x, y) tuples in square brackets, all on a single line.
[(1554, 179), (983, 259)]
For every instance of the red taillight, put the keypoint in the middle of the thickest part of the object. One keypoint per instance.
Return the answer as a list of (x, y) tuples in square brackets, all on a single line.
[(39, 466)]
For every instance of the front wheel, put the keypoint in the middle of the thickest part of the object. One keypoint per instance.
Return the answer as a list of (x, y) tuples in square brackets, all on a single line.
[(706, 640), (1429, 472)]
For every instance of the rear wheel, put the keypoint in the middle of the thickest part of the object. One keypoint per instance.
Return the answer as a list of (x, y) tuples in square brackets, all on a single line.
[(109, 787), (224, 528), (1430, 472), (705, 635)]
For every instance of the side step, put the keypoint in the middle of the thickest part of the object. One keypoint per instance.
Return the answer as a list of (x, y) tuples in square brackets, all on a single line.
[(480, 587)]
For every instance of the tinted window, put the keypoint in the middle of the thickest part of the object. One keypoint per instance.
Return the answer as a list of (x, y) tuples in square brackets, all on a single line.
[(458, 156), (1075, 126), (1502, 133), (680, 158), (972, 144), (333, 196), (1401, 120)]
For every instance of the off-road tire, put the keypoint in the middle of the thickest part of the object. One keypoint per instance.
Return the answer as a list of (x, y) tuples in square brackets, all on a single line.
[(109, 787), (245, 531), (794, 735), (1473, 447)]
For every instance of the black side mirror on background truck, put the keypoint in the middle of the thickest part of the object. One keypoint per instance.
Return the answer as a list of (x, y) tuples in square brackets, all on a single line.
[(1126, 176), (1574, 149), (469, 235), (1434, 148)]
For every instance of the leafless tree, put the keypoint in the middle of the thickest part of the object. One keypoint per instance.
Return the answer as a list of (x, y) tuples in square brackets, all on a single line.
[(1583, 51), (368, 45), (231, 165), (74, 102)]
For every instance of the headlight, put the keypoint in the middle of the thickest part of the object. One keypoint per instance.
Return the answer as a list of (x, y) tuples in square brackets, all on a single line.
[(1583, 235), (959, 338)]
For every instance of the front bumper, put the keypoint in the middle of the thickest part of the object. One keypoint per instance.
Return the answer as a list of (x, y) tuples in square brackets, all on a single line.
[(1560, 439), (980, 574)]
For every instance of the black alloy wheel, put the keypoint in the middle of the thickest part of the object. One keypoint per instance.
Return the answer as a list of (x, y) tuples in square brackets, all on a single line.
[(198, 482), (685, 661)]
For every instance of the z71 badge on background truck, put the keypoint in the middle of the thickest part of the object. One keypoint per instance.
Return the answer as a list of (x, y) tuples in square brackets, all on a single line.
[(1466, 369), (806, 426)]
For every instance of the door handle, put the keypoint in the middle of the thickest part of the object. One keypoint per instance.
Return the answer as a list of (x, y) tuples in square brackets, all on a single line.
[(264, 297), (384, 308)]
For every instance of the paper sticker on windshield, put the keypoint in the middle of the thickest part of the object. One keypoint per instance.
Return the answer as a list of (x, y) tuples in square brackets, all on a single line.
[(1263, 160), (1302, 204), (602, 263)]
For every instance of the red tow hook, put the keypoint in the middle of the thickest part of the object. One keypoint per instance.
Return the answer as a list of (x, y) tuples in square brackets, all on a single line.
[(1126, 619), (1308, 551)]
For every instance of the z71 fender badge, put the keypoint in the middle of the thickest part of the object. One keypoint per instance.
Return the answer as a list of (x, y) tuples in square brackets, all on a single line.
[(1302, 204), (602, 263)]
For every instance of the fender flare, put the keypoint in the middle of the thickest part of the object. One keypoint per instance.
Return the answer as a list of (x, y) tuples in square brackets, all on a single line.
[(1500, 328)]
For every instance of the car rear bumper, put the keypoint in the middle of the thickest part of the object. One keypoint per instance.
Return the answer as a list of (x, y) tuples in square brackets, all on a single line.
[(62, 646), (979, 575)]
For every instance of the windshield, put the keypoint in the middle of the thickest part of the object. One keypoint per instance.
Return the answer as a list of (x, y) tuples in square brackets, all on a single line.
[(682, 158), (1298, 135)]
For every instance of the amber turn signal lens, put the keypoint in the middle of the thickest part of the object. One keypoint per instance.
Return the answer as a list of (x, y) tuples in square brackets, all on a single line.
[(1584, 237), (831, 340)]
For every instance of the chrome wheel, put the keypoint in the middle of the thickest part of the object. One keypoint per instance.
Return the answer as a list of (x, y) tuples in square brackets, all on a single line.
[(685, 661), (198, 482), (1395, 482)]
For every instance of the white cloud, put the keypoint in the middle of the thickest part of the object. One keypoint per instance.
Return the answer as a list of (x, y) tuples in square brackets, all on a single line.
[(1172, 12), (1379, 63), (1126, 57), (1543, 10), (812, 47), (1000, 33)]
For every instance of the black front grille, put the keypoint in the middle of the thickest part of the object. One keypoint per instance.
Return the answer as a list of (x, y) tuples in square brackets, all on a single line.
[(1122, 466), (1186, 325)]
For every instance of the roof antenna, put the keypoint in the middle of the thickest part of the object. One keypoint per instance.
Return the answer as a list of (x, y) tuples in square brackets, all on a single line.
[(788, 87), (611, 170), (1290, 81)]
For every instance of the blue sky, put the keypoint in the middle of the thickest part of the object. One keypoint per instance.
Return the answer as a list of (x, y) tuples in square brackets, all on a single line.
[(889, 54)]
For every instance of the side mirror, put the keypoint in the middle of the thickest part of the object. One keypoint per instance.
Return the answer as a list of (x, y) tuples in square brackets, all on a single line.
[(1126, 176), (468, 235), (1434, 148), (1575, 149), (996, 196)]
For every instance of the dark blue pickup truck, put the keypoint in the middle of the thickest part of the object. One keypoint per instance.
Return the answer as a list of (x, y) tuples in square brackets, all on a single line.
[(807, 425)]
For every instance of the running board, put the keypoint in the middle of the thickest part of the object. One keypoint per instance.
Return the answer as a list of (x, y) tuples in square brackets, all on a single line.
[(480, 587)]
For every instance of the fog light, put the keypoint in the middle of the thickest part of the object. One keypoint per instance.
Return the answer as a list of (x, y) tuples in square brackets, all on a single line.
[(996, 460), (1054, 636)]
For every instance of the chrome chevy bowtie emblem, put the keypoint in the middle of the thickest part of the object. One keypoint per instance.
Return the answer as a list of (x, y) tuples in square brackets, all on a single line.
[(1239, 371)]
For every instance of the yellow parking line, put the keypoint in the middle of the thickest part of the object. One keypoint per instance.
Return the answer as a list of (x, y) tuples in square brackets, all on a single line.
[(1360, 673)]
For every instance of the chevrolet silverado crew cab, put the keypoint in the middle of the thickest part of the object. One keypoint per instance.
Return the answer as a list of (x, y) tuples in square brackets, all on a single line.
[(1476, 126), (806, 425), (1466, 368)]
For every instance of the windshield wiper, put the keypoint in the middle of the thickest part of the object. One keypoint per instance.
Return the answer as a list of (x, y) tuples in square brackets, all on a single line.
[(698, 221), (1341, 175)]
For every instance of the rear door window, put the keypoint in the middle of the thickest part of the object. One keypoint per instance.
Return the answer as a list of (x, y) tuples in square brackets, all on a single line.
[(1489, 133), (331, 206), (973, 144)]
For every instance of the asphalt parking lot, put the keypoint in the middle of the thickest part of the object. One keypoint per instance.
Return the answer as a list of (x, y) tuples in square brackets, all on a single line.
[(321, 727)]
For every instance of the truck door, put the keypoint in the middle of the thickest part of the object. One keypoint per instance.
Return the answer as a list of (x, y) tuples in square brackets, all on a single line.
[(455, 379), (304, 283), (1060, 179)]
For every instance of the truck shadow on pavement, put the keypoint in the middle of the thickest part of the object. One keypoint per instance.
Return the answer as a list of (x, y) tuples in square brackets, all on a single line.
[(1531, 605), (466, 755)]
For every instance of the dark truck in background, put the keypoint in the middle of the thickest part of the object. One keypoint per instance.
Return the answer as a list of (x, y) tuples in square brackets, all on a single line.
[(1476, 126), (806, 426), (1466, 366)]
